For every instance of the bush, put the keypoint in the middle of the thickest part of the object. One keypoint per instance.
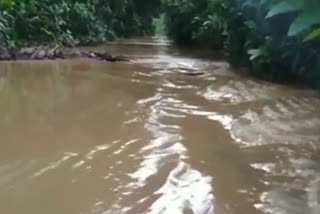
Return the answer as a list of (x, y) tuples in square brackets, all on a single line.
[(6, 38), (278, 40), (73, 22)]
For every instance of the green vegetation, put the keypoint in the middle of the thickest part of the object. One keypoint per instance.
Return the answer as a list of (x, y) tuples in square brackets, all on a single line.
[(159, 25), (72, 22), (277, 39)]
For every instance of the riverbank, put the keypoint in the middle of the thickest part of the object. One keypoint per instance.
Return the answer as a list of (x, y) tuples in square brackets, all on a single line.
[(277, 41), (57, 52), (73, 23)]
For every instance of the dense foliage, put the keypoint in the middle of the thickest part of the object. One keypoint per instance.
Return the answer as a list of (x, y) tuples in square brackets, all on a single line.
[(73, 21), (278, 39)]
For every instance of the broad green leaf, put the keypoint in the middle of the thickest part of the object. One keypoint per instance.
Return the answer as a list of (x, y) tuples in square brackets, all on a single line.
[(304, 21), (285, 7), (254, 53), (312, 35), (2, 27)]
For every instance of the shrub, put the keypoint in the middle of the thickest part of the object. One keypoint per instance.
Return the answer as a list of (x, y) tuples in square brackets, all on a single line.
[(277, 39), (74, 22)]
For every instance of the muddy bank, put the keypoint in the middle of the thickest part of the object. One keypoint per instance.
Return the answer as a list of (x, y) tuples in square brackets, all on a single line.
[(46, 52), (58, 52)]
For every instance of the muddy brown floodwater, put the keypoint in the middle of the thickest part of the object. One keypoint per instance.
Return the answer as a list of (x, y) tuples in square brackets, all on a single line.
[(90, 137)]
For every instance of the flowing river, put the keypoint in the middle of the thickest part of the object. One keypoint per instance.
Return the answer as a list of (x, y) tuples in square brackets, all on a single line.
[(91, 137)]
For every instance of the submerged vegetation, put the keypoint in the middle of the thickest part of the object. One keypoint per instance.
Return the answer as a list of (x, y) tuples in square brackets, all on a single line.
[(276, 39)]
